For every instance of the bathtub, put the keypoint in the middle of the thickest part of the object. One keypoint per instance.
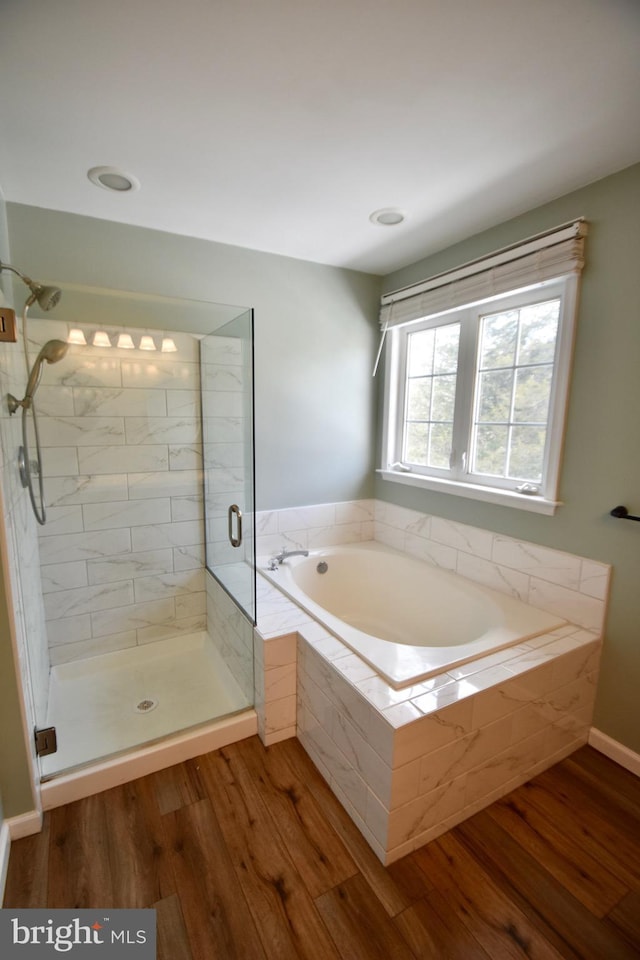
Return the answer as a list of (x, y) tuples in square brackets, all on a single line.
[(406, 618)]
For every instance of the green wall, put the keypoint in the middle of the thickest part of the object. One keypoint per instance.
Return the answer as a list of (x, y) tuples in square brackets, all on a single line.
[(15, 779), (314, 325), (601, 466)]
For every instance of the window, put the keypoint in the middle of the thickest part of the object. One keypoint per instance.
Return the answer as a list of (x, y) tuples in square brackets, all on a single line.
[(476, 395)]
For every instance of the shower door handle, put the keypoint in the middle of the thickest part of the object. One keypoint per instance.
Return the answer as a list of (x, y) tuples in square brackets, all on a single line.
[(234, 510)]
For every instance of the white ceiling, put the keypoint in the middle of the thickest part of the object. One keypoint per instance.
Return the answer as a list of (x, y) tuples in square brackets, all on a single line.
[(281, 125)]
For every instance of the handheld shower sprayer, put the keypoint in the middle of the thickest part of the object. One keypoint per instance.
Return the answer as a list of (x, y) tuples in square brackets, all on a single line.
[(53, 350)]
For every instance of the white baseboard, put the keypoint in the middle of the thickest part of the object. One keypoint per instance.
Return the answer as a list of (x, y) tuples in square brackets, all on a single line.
[(615, 751), (5, 846), (25, 825)]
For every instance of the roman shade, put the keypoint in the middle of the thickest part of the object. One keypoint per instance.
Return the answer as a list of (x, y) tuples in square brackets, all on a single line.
[(546, 256)]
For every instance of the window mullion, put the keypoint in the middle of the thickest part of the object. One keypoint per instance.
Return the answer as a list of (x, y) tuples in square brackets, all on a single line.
[(463, 412)]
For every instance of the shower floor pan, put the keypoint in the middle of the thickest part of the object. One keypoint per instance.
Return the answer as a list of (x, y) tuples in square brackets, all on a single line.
[(120, 701)]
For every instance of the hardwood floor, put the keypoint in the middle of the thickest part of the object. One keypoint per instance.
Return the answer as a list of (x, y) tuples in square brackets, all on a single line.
[(246, 854)]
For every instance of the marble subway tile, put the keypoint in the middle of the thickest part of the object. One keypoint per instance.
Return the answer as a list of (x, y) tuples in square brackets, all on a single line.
[(505, 767), (123, 459), (503, 579), (361, 755), (55, 401), (126, 513), (76, 370), (425, 812), (83, 600), (187, 558), (185, 456), (61, 520), (188, 507), (154, 430), (172, 483), (594, 579), (577, 607), (160, 374), (191, 604), (170, 630), (355, 511), (113, 402), (280, 716), (85, 546), (301, 518), (183, 403), (467, 752), (133, 617), (130, 566), (81, 431), (61, 461), (431, 552), (69, 630), (429, 733), (542, 562), (63, 576), (470, 540), (63, 491), (92, 647)]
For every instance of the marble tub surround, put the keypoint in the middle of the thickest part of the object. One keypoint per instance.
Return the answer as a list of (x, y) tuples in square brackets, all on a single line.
[(410, 764), (319, 525), (573, 587), (122, 552), (275, 658)]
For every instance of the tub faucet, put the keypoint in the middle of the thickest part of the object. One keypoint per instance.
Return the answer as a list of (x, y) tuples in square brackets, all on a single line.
[(284, 554)]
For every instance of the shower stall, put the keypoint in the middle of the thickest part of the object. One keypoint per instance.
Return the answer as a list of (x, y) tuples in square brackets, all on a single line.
[(139, 601)]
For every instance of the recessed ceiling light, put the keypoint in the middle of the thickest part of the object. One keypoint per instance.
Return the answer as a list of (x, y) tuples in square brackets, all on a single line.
[(111, 178), (387, 217)]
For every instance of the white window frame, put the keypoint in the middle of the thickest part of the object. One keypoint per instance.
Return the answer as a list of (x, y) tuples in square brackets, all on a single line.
[(458, 480)]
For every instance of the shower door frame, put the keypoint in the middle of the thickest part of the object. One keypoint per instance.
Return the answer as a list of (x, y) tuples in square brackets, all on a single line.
[(240, 502)]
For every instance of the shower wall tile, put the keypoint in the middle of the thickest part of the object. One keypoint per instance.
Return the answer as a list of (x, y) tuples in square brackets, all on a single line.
[(61, 520), (165, 375), (185, 457), (62, 491), (126, 513), (173, 483), (168, 585), (122, 459), (184, 533), (84, 546), (130, 566), (63, 576), (80, 431), (189, 507), (134, 616), (67, 603), (62, 462), (183, 403), (162, 430), (123, 549)]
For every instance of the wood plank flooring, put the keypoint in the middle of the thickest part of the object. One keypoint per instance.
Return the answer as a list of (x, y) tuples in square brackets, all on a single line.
[(245, 853)]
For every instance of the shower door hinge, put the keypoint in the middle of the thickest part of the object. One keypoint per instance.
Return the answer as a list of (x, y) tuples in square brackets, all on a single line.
[(46, 741), (8, 330)]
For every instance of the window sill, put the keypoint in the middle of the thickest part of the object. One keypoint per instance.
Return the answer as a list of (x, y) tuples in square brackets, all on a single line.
[(504, 498)]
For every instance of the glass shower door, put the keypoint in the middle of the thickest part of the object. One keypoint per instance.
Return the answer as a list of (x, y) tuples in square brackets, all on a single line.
[(226, 370)]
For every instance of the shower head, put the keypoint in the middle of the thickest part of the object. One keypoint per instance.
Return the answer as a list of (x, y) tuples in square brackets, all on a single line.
[(52, 351), (47, 297)]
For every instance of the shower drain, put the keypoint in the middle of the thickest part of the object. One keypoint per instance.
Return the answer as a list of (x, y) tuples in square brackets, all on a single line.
[(145, 706)]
